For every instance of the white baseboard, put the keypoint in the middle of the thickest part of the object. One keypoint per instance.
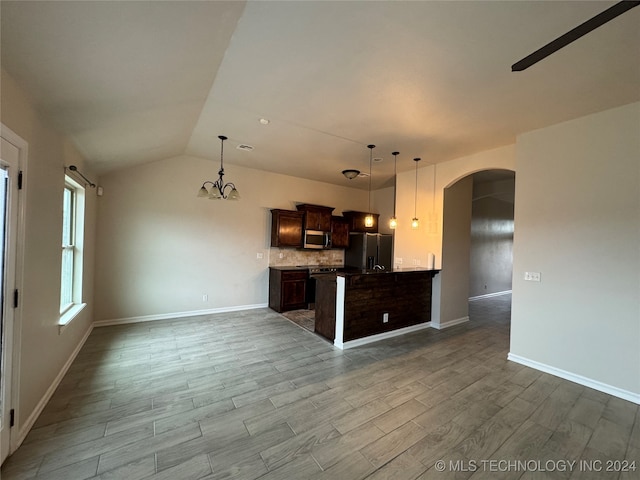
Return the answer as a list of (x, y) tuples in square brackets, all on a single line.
[(450, 323), (31, 420), (489, 295), (579, 379), (380, 336), (169, 316)]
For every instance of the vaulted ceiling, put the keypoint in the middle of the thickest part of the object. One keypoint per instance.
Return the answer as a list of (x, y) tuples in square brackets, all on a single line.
[(132, 82)]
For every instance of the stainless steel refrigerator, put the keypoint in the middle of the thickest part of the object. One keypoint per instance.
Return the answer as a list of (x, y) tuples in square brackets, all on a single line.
[(366, 250)]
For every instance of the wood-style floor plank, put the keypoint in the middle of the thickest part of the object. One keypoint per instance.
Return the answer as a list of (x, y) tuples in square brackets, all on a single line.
[(249, 395)]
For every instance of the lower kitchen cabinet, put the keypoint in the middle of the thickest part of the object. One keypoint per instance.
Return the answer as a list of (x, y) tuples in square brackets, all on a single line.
[(287, 289)]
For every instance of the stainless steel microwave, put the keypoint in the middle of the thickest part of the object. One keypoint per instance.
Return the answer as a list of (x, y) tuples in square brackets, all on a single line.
[(317, 239)]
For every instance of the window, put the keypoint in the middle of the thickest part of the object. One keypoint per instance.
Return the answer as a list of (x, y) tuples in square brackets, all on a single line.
[(72, 243)]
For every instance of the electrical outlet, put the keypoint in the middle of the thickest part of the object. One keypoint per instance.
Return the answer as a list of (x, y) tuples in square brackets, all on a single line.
[(398, 261), (385, 317), (532, 276), (205, 298), (259, 255), (416, 261)]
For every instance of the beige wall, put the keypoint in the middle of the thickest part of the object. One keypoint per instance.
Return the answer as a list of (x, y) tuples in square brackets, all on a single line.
[(414, 246), (456, 250), (382, 203), (577, 222), (161, 249), (43, 350), (491, 259)]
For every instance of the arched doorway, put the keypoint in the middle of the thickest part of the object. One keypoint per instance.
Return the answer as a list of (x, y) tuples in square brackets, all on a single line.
[(477, 239), (491, 255)]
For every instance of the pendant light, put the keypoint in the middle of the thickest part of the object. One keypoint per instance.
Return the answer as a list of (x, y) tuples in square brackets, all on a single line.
[(368, 220), (393, 222), (218, 187), (414, 222)]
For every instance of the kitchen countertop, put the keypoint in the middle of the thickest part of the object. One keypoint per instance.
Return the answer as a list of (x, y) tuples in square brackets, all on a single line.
[(365, 271), (350, 272), (347, 271), (304, 267)]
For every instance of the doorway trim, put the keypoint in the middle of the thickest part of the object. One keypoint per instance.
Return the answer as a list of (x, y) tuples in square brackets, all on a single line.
[(16, 334)]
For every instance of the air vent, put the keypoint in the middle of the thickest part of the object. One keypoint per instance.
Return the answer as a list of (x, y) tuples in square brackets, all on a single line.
[(245, 147), (377, 160)]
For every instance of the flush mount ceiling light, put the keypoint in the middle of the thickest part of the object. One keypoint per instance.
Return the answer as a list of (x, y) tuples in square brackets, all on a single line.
[(351, 173), (368, 220), (393, 221), (218, 188), (414, 222)]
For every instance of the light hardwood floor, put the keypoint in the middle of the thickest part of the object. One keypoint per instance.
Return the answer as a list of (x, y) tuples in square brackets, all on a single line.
[(249, 395)]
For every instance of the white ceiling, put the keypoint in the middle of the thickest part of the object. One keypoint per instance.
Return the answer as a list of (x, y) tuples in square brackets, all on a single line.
[(131, 82)]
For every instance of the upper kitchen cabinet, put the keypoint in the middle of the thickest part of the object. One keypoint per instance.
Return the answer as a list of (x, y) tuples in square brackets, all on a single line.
[(316, 217), (339, 232), (286, 228), (356, 221)]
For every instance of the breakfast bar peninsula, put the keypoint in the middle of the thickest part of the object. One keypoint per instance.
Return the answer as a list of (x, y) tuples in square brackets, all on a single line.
[(355, 307)]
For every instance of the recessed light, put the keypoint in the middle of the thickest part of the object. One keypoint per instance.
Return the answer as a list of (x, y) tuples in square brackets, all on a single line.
[(245, 147), (377, 160), (363, 174), (265, 121)]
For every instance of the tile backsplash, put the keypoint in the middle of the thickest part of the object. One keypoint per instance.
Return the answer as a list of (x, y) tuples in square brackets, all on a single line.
[(286, 257)]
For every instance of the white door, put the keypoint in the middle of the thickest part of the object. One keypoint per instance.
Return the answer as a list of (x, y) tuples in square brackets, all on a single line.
[(9, 170)]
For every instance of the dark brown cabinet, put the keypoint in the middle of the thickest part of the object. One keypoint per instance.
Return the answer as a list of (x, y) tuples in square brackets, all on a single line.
[(286, 228), (339, 232), (316, 217), (287, 289), (356, 221)]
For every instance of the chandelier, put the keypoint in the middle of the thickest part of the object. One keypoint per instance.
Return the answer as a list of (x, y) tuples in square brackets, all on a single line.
[(218, 188)]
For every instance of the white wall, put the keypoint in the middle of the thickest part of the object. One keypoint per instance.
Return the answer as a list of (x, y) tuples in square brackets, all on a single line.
[(160, 248), (577, 222), (43, 350)]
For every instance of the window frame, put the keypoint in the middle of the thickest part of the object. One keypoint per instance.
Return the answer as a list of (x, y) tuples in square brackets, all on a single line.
[(71, 308)]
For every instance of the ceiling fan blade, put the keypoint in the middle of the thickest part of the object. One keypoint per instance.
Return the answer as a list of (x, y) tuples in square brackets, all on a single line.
[(574, 34)]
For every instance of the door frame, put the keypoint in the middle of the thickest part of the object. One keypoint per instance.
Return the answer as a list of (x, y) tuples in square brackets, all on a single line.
[(15, 331)]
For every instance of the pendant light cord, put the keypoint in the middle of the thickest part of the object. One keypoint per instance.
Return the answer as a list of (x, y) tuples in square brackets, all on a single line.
[(395, 180), (415, 200), (370, 147), (433, 203), (222, 139)]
